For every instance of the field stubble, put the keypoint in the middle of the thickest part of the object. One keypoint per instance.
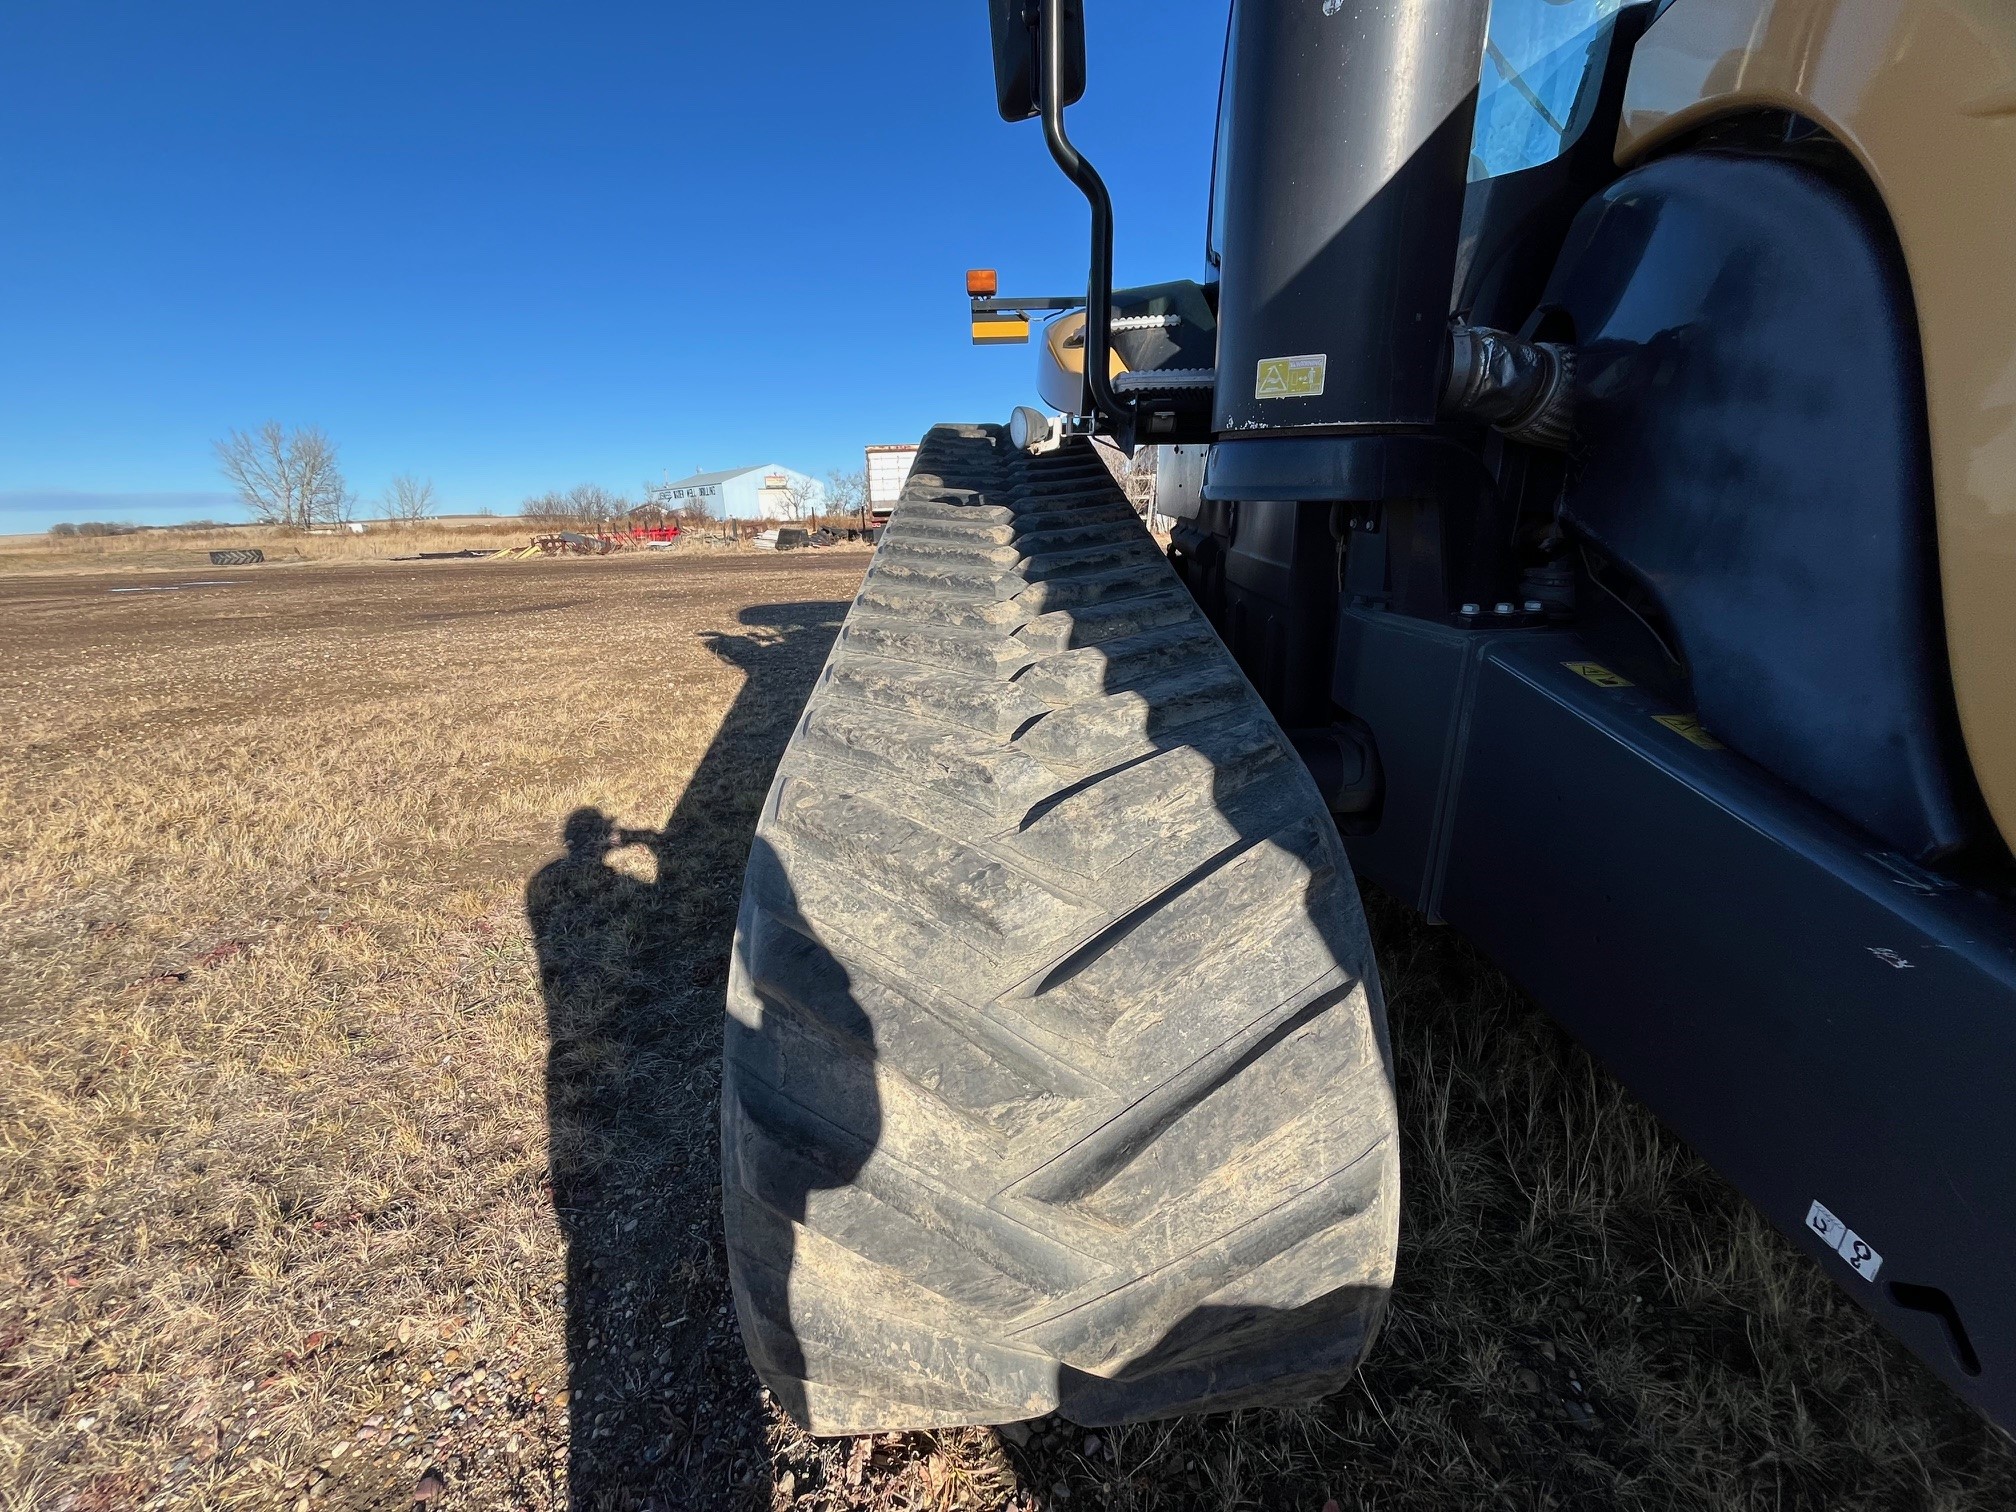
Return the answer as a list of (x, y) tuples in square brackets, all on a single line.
[(186, 548), (359, 1132)]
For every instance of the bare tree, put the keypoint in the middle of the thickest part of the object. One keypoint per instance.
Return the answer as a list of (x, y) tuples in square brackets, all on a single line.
[(409, 500), (586, 507), (802, 497), (591, 505), (846, 492), (545, 509), (284, 477), (1135, 474)]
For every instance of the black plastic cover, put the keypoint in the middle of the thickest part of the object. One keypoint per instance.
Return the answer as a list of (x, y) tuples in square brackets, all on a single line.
[(1752, 446), (1822, 1021)]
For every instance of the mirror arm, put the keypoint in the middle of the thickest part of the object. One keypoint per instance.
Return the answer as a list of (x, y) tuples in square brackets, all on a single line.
[(1099, 293)]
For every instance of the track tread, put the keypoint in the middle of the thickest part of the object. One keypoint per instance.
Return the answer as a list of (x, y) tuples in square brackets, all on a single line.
[(1056, 1072)]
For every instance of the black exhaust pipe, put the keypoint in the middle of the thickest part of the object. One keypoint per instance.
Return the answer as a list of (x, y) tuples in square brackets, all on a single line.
[(1349, 137), (1348, 128)]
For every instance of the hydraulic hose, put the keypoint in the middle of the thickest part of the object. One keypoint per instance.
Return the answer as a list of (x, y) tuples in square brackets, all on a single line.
[(1526, 389)]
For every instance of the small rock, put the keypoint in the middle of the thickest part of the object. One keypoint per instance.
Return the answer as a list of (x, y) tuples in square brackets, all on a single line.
[(1091, 1443), (787, 1486), (1525, 1380), (408, 1329), (1060, 1492), (429, 1486), (440, 1401), (1016, 1433)]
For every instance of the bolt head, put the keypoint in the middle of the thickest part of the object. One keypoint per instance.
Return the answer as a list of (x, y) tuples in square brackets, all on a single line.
[(1534, 606), (1501, 608), (1470, 609)]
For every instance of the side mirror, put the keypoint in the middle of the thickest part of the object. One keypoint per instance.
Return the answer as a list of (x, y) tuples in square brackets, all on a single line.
[(1018, 54)]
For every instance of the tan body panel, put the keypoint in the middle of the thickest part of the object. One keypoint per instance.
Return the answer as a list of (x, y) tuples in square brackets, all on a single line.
[(1060, 369), (1923, 92)]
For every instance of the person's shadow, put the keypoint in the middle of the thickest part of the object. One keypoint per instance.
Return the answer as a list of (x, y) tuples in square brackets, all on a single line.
[(633, 971)]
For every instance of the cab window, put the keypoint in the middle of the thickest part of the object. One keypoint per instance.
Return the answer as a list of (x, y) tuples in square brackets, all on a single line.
[(1214, 235), (1543, 69)]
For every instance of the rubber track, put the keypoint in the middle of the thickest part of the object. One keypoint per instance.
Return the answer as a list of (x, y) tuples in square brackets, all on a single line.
[(1056, 1071)]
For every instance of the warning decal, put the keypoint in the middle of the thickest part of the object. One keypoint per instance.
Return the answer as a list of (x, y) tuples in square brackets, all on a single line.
[(1598, 674), (1291, 377), (1844, 1241), (1826, 1225), (1688, 727)]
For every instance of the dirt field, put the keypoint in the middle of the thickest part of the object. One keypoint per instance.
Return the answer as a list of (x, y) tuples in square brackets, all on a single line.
[(365, 930), (182, 549)]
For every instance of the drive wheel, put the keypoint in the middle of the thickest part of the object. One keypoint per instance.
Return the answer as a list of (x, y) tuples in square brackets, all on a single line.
[(1056, 1073)]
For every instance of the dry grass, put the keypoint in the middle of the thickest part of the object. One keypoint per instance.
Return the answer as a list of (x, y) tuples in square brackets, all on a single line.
[(181, 549), (354, 1132), (184, 550)]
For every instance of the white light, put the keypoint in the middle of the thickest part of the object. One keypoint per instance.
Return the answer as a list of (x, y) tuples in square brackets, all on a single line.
[(1028, 428)]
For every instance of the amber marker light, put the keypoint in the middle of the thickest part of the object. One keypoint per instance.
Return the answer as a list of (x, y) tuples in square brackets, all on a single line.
[(981, 283)]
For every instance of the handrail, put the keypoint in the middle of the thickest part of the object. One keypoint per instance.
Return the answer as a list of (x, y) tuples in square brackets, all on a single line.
[(1099, 293)]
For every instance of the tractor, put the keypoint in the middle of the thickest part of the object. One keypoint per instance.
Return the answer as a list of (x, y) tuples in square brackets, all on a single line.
[(1604, 542)]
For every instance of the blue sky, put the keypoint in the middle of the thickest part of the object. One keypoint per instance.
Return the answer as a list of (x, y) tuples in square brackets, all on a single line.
[(515, 246)]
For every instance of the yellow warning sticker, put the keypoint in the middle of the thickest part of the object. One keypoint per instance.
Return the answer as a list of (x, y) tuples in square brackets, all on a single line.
[(1688, 727), (1291, 377), (1598, 674)]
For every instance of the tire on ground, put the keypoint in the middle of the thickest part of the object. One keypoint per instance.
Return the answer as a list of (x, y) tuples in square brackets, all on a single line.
[(236, 558), (1056, 1073)]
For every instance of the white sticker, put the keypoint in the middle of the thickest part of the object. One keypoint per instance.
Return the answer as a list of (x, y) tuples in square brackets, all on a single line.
[(1291, 377), (1864, 1261), (1826, 1225), (1844, 1241)]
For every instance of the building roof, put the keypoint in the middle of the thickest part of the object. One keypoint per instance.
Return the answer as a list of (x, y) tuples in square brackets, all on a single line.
[(703, 479)]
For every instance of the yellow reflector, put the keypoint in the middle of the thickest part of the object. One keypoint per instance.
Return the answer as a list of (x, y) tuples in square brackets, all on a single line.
[(981, 283), (999, 331)]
